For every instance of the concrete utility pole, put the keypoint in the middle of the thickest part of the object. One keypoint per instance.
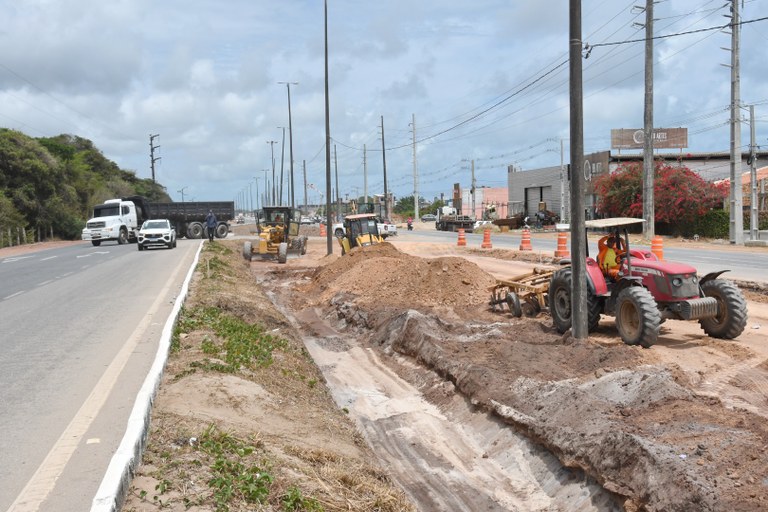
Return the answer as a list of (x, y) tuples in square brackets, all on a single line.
[(649, 212), (152, 157), (737, 213), (329, 235), (365, 174), (472, 190), (753, 218), (338, 196), (563, 218), (384, 162), (415, 172), (578, 231), (274, 195), (304, 166), (282, 165), (290, 139)]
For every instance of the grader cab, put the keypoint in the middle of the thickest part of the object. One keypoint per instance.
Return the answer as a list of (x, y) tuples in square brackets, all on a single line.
[(359, 230), (278, 230)]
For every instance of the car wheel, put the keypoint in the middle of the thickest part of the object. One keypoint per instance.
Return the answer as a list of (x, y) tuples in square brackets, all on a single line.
[(141, 247)]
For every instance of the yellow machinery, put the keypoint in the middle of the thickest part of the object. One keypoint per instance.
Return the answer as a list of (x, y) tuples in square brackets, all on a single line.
[(359, 230), (524, 294), (278, 229)]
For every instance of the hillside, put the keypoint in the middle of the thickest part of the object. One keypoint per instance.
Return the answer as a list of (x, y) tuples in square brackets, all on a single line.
[(48, 185)]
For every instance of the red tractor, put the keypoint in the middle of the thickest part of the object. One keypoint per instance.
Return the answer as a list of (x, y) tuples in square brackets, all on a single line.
[(642, 291)]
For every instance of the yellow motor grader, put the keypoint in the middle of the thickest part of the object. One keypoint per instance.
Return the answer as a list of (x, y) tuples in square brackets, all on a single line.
[(359, 230), (278, 229)]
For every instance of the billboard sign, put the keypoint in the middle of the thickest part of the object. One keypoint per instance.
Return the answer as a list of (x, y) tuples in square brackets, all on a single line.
[(663, 138)]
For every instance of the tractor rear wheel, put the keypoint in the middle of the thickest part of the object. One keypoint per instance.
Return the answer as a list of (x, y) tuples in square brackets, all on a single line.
[(637, 316), (559, 300), (282, 253), (731, 316)]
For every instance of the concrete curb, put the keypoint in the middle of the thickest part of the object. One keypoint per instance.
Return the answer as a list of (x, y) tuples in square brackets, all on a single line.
[(117, 479)]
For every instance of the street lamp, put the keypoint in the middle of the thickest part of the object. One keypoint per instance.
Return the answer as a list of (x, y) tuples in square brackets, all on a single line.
[(290, 135), (182, 193)]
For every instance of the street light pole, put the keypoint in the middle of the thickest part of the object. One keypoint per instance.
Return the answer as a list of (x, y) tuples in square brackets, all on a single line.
[(272, 146), (290, 138), (182, 193)]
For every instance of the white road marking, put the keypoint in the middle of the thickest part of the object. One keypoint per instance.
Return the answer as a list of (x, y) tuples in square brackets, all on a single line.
[(49, 258), (45, 282), (15, 258), (13, 295)]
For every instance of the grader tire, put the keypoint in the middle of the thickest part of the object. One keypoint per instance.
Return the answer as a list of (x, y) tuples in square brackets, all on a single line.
[(282, 253), (247, 254)]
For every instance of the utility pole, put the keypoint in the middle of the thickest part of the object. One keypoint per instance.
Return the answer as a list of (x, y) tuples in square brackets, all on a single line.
[(290, 137), (182, 193), (384, 163), (304, 167), (282, 164), (737, 214), (256, 180), (272, 147), (338, 199), (562, 183), (365, 174), (578, 232), (329, 235), (648, 165), (265, 197), (472, 191), (152, 157), (753, 219), (415, 172)]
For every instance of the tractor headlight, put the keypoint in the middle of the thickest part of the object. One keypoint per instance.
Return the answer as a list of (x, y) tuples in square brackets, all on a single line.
[(677, 281), (694, 279)]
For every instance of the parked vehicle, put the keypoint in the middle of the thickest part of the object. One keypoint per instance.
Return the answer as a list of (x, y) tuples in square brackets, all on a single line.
[(157, 233), (120, 219), (448, 219), (385, 228), (428, 217), (641, 291)]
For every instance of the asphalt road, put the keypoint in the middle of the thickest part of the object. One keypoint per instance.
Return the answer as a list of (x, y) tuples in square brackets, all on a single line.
[(748, 264), (80, 326)]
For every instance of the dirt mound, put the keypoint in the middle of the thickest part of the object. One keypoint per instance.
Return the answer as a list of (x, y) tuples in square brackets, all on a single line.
[(383, 276)]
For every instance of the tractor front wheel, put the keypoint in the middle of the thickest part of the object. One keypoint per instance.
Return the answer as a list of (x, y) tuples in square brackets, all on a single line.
[(637, 317), (731, 316)]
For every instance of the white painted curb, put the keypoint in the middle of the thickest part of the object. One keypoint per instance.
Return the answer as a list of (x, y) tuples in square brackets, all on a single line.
[(117, 479)]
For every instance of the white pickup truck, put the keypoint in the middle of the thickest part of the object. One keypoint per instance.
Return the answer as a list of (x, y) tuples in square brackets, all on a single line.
[(385, 228)]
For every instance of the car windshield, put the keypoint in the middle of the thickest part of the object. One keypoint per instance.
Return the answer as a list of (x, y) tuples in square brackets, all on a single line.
[(156, 224)]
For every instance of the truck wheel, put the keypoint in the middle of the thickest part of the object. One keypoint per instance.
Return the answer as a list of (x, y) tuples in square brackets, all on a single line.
[(222, 229), (195, 230), (731, 316), (637, 316), (122, 238), (282, 253), (559, 300), (247, 251), (96, 243)]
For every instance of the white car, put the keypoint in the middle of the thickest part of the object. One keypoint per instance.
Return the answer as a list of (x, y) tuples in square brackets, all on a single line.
[(157, 233)]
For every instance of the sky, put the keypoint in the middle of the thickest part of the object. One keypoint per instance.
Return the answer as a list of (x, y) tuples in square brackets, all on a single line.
[(483, 82)]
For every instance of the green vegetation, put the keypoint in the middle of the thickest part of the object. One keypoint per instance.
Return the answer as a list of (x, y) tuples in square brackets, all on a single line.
[(49, 185)]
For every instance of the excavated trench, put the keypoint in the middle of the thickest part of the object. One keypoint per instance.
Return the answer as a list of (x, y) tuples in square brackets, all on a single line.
[(474, 411)]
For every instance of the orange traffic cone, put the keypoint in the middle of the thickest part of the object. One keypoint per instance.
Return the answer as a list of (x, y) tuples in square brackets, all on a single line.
[(323, 232), (462, 238), (562, 245), (486, 240), (525, 243), (657, 247)]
